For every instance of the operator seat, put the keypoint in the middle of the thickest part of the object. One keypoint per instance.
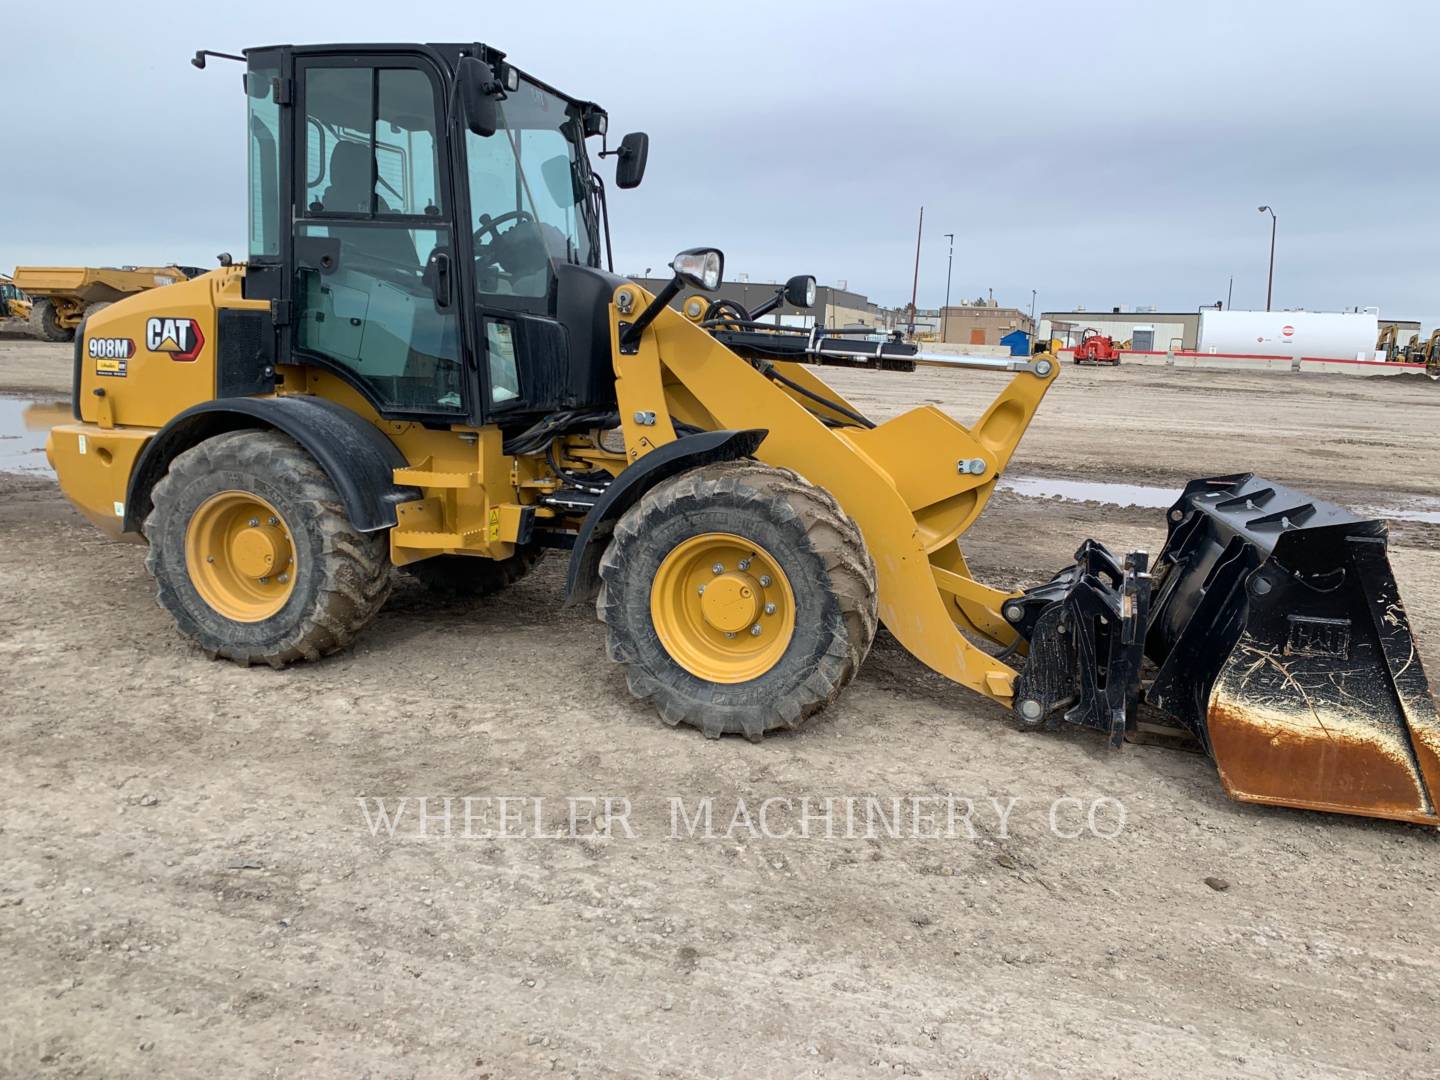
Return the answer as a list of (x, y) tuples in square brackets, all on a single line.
[(349, 193)]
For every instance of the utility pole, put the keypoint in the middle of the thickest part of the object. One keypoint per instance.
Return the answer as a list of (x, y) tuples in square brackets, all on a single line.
[(1229, 292), (1270, 281), (949, 265), (915, 286), (1033, 333)]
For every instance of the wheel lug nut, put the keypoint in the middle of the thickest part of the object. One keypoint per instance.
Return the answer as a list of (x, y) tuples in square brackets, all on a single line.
[(755, 630), (729, 634), (283, 578), (254, 522), (744, 564), (764, 581), (702, 590), (769, 609), (718, 568), (264, 581), (274, 520)]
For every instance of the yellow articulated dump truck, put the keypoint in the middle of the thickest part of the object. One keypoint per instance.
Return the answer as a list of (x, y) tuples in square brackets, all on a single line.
[(62, 296), (427, 363)]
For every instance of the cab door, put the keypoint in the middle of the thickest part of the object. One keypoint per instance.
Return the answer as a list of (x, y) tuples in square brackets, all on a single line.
[(375, 290)]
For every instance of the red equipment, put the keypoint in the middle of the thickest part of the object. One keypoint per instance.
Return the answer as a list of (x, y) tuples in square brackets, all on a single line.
[(1096, 348)]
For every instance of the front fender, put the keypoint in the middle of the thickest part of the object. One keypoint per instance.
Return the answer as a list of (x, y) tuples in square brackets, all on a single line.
[(671, 459)]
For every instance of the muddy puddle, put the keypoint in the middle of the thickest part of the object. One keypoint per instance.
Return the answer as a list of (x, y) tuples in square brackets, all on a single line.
[(1146, 497), (23, 427)]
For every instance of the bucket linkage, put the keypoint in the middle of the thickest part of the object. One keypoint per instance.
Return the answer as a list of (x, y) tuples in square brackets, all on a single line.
[(1278, 643)]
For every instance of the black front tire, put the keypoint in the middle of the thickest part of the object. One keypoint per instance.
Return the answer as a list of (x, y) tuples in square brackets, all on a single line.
[(820, 550)]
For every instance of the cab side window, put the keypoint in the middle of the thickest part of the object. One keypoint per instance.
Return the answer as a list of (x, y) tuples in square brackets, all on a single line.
[(371, 249)]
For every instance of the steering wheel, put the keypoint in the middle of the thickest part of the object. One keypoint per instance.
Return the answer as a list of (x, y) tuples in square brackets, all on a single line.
[(494, 223)]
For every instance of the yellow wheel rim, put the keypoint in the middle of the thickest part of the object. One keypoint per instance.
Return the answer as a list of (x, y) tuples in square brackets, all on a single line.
[(723, 608), (240, 556)]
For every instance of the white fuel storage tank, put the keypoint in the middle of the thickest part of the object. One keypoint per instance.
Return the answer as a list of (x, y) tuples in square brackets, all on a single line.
[(1340, 335)]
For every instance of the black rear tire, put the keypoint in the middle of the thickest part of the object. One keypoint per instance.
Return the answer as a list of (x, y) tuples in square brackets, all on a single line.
[(341, 575), (816, 545), (44, 323)]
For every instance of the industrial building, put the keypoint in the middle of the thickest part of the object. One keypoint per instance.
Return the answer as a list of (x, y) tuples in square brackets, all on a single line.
[(1160, 331), (1146, 330), (983, 324)]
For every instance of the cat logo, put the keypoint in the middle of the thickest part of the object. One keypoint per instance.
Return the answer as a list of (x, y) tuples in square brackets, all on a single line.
[(181, 338)]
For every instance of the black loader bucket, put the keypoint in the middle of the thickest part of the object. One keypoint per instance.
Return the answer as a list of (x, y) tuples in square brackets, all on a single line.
[(1282, 645), (1279, 643)]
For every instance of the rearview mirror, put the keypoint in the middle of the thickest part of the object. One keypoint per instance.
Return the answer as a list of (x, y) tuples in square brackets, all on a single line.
[(633, 152), (477, 86), (800, 291)]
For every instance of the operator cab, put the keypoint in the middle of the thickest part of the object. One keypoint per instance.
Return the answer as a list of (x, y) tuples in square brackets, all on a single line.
[(426, 223)]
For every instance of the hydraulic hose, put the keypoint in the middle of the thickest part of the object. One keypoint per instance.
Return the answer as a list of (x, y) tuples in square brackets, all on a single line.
[(770, 373)]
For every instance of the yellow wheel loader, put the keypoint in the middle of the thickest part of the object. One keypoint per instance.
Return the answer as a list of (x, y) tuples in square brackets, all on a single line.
[(426, 363), (14, 304)]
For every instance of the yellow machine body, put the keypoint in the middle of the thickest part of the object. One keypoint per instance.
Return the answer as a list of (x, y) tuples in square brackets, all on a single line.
[(913, 484), (127, 391)]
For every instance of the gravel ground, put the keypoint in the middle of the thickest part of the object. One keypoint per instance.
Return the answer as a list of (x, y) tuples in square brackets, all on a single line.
[(193, 880)]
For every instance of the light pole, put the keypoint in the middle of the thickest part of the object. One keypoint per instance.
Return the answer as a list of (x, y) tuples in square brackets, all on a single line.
[(949, 265), (915, 286), (1033, 334), (1270, 281)]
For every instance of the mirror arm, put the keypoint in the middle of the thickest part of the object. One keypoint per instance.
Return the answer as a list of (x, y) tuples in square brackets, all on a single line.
[(630, 336)]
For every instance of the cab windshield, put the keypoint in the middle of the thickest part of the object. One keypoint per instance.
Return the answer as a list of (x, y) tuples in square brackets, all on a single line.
[(530, 194)]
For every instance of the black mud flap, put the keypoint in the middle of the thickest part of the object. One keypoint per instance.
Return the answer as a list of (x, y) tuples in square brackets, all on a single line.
[(1086, 629), (1282, 646)]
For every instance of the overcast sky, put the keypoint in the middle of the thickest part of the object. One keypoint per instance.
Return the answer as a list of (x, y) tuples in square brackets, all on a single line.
[(1100, 153)]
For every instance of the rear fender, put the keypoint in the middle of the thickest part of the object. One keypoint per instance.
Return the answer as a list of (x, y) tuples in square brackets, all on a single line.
[(359, 460)]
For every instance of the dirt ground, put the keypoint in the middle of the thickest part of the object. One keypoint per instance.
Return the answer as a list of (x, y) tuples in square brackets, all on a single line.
[(189, 884)]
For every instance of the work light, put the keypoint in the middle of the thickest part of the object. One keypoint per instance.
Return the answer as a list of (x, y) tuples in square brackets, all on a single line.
[(700, 267)]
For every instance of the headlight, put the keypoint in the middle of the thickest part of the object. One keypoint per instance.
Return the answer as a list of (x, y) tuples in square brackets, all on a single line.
[(800, 291), (700, 267)]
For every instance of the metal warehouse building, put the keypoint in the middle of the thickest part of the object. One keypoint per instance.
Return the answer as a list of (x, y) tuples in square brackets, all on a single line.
[(1147, 331)]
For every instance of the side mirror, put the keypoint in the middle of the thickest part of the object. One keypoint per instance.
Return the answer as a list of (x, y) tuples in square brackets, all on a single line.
[(800, 291), (700, 268), (633, 152), (477, 86)]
